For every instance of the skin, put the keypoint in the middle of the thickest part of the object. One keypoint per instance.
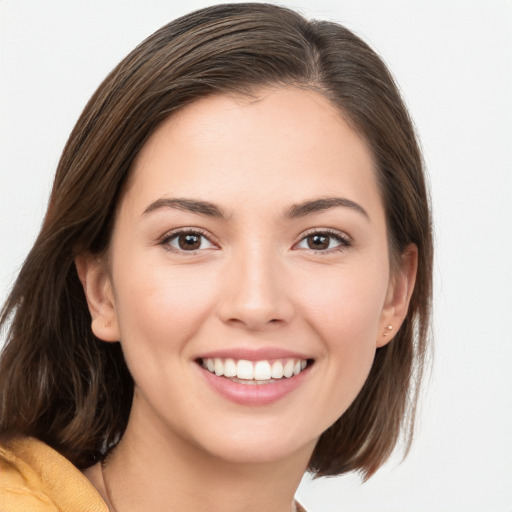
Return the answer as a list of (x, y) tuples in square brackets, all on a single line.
[(254, 281)]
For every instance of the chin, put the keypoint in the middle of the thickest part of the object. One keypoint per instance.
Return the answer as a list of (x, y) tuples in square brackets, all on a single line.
[(263, 451), (258, 442)]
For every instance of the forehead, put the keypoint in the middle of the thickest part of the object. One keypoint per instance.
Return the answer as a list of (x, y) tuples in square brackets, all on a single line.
[(283, 144)]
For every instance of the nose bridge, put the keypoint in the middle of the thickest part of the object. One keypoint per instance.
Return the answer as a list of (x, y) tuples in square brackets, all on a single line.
[(255, 293)]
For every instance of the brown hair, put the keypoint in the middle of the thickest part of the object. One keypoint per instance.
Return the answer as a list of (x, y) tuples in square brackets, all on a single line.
[(61, 384)]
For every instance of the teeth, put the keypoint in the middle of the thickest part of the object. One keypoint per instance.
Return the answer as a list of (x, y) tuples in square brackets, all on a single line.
[(277, 370), (229, 368), (288, 368), (218, 367), (244, 369), (262, 370), (257, 371)]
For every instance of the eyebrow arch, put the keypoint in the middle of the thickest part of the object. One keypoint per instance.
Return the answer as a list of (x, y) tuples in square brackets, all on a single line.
[(297, 210), (187, 205), (322, 204)]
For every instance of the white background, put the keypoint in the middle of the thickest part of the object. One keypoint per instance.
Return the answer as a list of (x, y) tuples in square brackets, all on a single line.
[(453, 61)]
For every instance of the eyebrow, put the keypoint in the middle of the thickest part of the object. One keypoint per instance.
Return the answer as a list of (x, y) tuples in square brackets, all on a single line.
[(323, 204), (187, 205), (295, 211)]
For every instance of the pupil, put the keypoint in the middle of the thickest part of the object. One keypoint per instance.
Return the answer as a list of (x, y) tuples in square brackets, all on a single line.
[(189, 242), (318, 242)]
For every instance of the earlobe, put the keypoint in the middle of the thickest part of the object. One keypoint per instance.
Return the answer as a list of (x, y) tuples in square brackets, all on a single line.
[(97, 285), (399, 295)]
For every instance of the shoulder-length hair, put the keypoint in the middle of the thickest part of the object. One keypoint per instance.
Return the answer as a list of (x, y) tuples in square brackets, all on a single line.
[(61, 384)]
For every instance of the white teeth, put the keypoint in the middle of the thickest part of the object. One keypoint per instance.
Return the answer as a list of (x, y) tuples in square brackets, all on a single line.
[(255, 371), (218, 366), (244, 369), (229, 368), (288, 368), (277, 370), (262, 370)]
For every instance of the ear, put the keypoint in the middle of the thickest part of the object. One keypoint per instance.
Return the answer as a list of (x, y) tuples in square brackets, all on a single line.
[(399, 294), (95, 278)]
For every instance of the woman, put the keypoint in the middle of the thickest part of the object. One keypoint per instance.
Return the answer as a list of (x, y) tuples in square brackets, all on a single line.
[(232, 282)]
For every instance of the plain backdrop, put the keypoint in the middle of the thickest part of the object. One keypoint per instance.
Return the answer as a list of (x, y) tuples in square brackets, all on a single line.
[(453, 61)]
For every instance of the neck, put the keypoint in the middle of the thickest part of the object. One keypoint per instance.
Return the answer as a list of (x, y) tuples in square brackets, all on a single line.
[(151, 471)]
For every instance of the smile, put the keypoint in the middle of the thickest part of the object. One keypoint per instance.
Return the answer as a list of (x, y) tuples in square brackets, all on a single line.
[(250, 378), (254, 372)]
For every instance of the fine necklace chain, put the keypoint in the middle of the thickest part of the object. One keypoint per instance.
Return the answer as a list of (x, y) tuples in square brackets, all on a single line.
[(110, 504)]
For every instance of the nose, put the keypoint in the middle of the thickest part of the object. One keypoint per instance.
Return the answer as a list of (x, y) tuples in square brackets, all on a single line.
[(255, 293)]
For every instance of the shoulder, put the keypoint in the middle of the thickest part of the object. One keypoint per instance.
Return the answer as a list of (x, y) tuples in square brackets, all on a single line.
[(33, 476)]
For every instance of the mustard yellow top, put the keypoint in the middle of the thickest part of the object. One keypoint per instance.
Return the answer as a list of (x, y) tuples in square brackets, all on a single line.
[(36, 478)]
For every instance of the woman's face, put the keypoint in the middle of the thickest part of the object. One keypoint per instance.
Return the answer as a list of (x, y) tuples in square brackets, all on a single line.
[(251, 240)]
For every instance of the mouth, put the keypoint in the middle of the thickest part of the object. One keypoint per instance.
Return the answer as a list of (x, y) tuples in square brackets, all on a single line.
[(260, 372)]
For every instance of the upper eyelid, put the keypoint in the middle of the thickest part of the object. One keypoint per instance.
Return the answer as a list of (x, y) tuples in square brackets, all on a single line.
[(177, 231), (186, 229), (345, 241), (192, 229), (330, 231)]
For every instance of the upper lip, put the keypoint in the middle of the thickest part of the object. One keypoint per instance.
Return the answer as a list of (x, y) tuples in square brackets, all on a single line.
[(253, 354)]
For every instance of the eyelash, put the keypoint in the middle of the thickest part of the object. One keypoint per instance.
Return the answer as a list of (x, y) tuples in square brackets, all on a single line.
[(168, 237), (344, 240)]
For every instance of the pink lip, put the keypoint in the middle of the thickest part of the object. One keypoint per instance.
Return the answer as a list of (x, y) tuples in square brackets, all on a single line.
[(254, 354), (253, 394)]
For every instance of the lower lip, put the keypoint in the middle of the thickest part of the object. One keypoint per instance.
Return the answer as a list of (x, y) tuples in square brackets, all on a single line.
[(254, 394)]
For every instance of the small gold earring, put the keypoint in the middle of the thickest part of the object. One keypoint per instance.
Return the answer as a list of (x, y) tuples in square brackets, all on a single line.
[(389, 328)]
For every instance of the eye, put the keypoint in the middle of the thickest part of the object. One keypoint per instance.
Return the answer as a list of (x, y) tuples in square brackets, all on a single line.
[(188, 241), (323, 241)]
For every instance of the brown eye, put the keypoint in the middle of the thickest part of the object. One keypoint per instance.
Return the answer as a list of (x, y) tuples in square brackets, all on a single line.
[(187, 241), (318, 241), (325, 241)]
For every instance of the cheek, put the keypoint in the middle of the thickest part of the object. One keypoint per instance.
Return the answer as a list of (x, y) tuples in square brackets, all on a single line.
[(347, 300), (159, 306), (343, 309)]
